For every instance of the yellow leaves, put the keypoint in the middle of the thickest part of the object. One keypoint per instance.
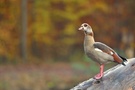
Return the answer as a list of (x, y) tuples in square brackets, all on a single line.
[(55, 22), (102, 6), (7, 42), (70, 29), (91, 7), (68, 41), (2, 51)]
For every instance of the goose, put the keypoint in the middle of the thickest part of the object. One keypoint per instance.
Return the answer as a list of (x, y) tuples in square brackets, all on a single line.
[(99, 52)]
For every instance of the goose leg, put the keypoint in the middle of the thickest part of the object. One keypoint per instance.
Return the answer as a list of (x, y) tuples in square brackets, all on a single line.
[(100, 75)]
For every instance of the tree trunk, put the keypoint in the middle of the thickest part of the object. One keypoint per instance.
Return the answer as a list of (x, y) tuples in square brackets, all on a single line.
[(117, 78), (24, 30)]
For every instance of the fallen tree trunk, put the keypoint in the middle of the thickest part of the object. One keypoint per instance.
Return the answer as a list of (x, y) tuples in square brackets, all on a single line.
[(117, 78)]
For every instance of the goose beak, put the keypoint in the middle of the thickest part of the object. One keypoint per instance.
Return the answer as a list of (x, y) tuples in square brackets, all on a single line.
[(81, 28)]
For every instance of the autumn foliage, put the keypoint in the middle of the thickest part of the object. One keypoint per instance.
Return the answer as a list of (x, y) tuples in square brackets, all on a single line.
[(52, 26)]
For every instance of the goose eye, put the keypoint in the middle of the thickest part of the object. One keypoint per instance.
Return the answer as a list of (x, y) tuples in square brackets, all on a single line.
[(85, 25)]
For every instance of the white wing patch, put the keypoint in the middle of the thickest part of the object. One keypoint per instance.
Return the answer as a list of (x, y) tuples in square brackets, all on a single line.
[(111, 53), (98, 50)]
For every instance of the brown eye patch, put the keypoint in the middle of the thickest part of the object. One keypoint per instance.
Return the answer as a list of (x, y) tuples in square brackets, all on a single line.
[(85, 25)]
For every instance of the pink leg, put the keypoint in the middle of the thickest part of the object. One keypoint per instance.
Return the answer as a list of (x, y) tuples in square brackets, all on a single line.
[(100, 75)]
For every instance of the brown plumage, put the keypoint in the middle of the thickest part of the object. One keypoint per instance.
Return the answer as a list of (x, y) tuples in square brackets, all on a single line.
[(98, 51)]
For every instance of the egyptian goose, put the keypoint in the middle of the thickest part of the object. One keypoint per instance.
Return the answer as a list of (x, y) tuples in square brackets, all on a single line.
[(98, 51)]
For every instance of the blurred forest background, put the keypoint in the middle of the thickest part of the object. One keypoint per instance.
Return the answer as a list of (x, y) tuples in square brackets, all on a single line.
[(40, 43)]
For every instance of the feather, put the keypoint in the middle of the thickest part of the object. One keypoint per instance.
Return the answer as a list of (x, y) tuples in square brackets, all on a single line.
[(108, 50), (98, 50), (123, 58), (104, 48)]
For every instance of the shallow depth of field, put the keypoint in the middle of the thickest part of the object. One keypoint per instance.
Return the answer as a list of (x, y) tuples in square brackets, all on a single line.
[(42, 49)]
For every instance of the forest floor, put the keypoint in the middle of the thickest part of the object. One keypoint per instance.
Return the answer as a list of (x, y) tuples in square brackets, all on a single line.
[(45, 76)]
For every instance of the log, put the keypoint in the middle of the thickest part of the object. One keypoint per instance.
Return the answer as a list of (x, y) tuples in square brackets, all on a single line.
[(117, 78)]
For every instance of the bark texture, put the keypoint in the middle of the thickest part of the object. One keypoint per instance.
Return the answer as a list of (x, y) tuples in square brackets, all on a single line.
[(117, 78)]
